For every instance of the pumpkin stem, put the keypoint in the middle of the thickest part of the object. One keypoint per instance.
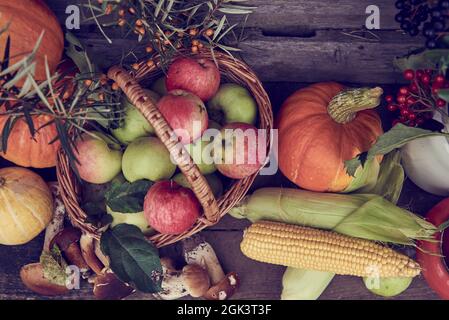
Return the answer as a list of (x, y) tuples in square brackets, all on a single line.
[(344, 106)]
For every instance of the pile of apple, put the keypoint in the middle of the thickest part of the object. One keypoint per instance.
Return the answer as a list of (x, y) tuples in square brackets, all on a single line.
[(135, 152)]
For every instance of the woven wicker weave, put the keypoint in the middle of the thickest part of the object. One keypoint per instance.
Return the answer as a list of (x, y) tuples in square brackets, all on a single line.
[(232, 70)]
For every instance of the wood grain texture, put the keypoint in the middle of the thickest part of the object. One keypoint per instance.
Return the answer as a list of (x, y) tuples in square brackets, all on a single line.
[(288, 40), (258, 280), (296, 40)]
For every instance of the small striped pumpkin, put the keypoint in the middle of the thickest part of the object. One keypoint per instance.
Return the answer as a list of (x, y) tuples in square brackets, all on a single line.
[(26, 205)]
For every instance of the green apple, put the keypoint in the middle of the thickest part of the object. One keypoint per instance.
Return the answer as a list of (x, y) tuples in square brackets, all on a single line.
[(99, 158), (137, 219), (199, 152), (147, 158), (159, 86), (133, 124), (214, 182), (233, 103)]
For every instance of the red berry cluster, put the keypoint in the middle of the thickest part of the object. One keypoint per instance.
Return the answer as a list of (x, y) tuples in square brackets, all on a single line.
[(414, 104)]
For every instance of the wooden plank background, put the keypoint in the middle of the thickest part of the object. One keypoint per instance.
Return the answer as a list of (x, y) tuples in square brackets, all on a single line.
[(289, 43), (301, 41)]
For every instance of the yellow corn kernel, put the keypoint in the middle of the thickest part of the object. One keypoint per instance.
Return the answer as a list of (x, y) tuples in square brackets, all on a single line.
[(314, 249)]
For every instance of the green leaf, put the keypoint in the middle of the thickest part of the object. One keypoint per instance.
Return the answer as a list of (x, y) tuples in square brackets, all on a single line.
[(428, 59), (127, 197), (230, 10), (54, 266), (96, 214), (76, 51), (9, 124), (133, 259), (158, 8), (397, 137), (219, 27)]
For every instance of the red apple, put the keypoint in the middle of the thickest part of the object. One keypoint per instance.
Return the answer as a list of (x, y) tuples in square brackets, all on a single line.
[(99, 158), (170, 208), (199, 76), (239, 143), (185, 113)]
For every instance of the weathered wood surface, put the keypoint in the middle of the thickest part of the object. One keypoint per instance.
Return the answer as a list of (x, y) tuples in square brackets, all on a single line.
[(288, 41), (259, 281), (302, 41)]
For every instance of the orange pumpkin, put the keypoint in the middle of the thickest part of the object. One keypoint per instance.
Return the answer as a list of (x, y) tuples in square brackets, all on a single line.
[(28, 18), (27, 151), (322, 126)]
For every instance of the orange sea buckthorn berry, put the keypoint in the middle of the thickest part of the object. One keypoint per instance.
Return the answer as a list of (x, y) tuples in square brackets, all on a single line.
[(193, 32), (88, 82), (209, 32), (149, 49), (132, 10), (121, 13), (108, 10), (150, 63), (139, 23), (135, 66), (195, 42), (194, 49), (121, 22), (115, 86)]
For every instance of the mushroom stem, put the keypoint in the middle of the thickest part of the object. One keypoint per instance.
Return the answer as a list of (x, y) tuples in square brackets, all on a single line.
[(87, 245), (198, 251), (68, 242), (57, 223)]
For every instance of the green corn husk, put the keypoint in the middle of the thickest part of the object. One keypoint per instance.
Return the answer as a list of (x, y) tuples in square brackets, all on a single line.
[(367, 216), (390, 180)]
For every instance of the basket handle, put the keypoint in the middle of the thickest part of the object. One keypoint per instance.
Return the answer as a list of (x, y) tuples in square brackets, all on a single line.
[(144, 104)]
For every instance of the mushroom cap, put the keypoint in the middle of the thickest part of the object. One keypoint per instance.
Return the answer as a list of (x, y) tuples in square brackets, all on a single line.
[(32, 276), (196, 280), (108, 287), (65, 238)]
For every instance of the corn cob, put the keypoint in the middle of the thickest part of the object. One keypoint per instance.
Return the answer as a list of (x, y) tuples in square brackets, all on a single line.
[(366, 216), (307, 248)]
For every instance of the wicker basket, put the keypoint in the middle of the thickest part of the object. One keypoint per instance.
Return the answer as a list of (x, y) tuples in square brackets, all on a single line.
[(232, 70)]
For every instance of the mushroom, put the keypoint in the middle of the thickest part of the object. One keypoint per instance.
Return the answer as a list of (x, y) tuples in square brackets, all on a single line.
[(32, 276), (100, 255), (224, 289), (57, 223), (67, 241), (198, 251), (108, 287), (87, 244), (191, 280)]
